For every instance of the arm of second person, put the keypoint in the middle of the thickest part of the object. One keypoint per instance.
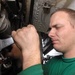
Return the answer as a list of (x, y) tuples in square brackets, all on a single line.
[(27, 39)]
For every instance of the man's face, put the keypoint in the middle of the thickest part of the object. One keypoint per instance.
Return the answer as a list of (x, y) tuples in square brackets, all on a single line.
[(62, 32)]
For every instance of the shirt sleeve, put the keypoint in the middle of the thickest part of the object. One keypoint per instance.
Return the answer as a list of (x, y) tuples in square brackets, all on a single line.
[(33, 70)]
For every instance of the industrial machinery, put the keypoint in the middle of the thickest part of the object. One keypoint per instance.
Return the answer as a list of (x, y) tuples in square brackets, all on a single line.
[(15, 14)]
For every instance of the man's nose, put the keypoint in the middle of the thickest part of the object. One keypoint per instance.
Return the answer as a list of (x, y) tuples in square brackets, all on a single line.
[(51, 32)]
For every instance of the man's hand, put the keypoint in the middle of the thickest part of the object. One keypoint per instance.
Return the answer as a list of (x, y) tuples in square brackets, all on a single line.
[(27, 39)]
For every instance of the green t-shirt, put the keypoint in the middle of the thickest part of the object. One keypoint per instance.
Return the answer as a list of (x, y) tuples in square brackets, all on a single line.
[(55, 66)]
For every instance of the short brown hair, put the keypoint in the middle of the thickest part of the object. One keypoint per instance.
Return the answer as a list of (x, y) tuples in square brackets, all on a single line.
[(69, 11)]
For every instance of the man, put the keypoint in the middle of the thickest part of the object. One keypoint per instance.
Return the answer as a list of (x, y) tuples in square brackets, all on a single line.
[(62, 33)]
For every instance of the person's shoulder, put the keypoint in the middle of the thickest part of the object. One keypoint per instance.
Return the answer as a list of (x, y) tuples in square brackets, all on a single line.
[(70, 70), (52, 60)]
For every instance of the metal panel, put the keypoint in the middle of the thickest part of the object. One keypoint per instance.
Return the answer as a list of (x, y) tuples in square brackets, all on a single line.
[(43, 9)]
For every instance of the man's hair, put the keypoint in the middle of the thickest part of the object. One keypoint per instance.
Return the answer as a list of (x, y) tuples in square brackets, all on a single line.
[(70, 12)]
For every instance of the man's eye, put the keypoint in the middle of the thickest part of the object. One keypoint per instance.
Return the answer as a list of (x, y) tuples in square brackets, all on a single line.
[(57, 27)]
